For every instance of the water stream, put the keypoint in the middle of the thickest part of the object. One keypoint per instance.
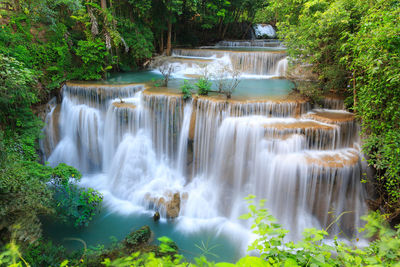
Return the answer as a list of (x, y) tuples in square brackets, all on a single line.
[(194, 161)]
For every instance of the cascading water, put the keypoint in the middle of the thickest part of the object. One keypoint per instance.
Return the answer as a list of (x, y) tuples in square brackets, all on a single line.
[(196, 160), (249, 63), (250, 43)]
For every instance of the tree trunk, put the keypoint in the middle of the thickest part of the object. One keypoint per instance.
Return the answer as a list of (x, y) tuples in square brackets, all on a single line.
[(221, 20), (354, 90), (225, 29), (162, 42), (168, 50), (247, 30), (103, 4)]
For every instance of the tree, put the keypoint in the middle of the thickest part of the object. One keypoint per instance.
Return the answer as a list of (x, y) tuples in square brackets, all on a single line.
[(173, 9), (16, 89), (227, 79), (374, 52)]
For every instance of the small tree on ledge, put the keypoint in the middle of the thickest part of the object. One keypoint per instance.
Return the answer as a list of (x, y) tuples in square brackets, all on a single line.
[(227, 80), (164, 67)]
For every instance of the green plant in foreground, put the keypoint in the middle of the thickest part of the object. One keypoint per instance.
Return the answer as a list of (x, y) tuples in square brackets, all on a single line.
[(206, 249), (187, 89), (313, 250)]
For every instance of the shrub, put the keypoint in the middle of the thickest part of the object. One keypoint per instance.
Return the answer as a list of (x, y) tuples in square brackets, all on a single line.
[(93, 55), (203, 86), (73, 203), (187, 89)]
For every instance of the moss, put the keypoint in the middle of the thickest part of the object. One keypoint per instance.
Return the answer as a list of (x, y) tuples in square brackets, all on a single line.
[(138, 238)]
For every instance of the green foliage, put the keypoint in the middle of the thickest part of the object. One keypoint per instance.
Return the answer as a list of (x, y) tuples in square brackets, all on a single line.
[(73, 203), (70, 202), (203, 86), (140, 44), (24, 198), (11, 256), (274, 250), (167, 246), (187, 89), (375, 50), (44, 253), (314, 32), (24, 187), (93, 54), (16, 89), (147, 259), (313, 249)]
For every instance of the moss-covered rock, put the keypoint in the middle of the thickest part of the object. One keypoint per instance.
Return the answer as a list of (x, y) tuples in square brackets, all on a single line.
[(138, 238)]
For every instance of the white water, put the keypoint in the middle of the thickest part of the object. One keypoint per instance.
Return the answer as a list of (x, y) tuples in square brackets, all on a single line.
[(281, 67), (251, 64), (212, 153), (250, 43), (264, 30)]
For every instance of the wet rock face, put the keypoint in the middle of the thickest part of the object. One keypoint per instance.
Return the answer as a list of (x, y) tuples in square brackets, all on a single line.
[(174, 206), (170, 203)]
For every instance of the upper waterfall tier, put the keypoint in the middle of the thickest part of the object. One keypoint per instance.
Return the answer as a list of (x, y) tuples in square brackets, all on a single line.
[(97, 95), (248, 62), (251, 43), (333, 102)]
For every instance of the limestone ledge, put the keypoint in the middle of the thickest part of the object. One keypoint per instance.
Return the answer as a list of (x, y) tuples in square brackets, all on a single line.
[(234, 51), (332, 117), (299, 125), (334, 159), (124, 105), (89, 85)]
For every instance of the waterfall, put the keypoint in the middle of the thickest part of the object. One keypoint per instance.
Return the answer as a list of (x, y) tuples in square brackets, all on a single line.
[(264, 31), (147, 149), (333, 103), (97, 96), (51, 129), (250, 157), (80, 137), (249, 43), (281, 67), (248, 62), (184, 138)]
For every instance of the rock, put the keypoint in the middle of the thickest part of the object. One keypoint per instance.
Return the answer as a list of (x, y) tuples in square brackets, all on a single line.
[(173, 206), (138, 238), (170, 203), (156, 216)]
